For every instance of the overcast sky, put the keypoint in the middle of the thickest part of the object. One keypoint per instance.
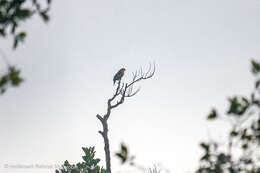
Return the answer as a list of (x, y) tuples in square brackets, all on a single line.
[(202, 50)]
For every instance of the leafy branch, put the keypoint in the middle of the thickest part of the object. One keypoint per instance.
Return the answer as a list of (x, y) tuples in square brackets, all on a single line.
[(13, 12), (243, 138)]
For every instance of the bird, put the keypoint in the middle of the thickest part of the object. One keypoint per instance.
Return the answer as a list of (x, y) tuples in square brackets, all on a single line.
[(119, 75)]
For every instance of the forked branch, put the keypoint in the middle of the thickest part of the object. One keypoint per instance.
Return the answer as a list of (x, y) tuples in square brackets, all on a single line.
[(139, 75), (122, 91)]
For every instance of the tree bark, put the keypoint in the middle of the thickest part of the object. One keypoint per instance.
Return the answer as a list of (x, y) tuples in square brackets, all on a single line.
[(106, 148), (106, 141)]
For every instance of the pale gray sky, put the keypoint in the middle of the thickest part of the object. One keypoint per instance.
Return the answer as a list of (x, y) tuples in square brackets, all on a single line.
[(201, 48)]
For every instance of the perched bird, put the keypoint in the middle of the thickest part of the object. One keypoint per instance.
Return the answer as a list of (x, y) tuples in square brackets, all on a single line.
[(119, 75)]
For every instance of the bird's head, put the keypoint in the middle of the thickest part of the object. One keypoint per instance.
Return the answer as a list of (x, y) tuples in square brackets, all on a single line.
[(122, 69)]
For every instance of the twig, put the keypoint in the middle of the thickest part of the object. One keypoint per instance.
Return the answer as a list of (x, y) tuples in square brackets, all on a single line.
[(122, 91)]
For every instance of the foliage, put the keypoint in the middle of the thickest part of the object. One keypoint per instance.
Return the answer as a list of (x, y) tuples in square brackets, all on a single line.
[(241, 154), (124, 156), (90, 164), (12, 77), (12, 14)]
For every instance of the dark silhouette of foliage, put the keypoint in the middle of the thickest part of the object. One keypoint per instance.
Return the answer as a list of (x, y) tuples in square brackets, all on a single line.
[(12, 14), (241, 153), (123, 154), (12, 77), (89, 164), (125, 158)]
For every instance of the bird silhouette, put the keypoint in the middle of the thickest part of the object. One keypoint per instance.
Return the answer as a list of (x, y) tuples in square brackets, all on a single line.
[(119, 75)]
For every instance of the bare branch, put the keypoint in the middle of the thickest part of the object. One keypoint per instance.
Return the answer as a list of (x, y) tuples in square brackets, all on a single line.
[(100, 118), (131, 93), (143, 76), (102, 134), (117, 91), (138, 76), (123, 90)]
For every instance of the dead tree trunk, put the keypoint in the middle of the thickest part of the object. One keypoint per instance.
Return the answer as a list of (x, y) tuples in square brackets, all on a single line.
[(122, 91), (106, 141)]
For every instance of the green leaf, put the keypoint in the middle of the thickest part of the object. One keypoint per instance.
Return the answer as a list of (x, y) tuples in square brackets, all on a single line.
[(122, 157), (19, 38), (3, 80), (14, 76), (223, 158), (245, 146), (124, 148), (66, 163), (233, 133), (2, 32), (238, 106), (44, 16), (255, 67), (23, 14), (205, 157), (123, 154), (3, 3), (212, 115), (204, 146)]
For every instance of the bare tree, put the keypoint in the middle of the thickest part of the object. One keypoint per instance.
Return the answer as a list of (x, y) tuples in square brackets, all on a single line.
[(123, 90)]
